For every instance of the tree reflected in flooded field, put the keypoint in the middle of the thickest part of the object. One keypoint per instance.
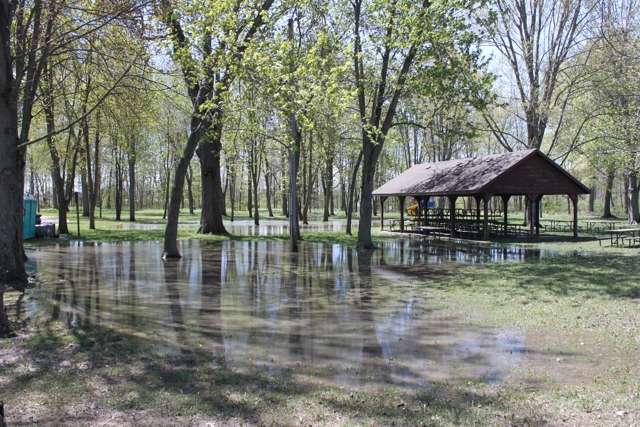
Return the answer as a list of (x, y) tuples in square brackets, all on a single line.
[(329, 312)]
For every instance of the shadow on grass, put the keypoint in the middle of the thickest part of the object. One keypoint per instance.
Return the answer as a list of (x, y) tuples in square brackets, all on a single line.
[(561, 275), (122, 375)]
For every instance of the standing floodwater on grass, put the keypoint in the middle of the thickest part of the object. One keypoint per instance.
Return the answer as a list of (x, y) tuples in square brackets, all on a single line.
[(256, 306)]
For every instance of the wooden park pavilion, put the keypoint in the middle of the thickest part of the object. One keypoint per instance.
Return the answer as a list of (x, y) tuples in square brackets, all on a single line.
[(527, 173)]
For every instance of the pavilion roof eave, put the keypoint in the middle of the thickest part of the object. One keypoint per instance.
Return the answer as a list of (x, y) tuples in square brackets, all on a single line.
[(431, 194), (468, 194)]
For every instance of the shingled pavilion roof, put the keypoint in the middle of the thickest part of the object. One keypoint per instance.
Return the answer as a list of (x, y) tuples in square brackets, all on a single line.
[(517, 172)]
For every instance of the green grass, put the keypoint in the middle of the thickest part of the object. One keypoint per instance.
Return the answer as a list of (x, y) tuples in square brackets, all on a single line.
[(583, 308), (109, 230), (92, 375), (579, 311)]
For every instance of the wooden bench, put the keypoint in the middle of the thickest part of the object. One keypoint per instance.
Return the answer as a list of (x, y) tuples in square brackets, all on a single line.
[(631, 240)]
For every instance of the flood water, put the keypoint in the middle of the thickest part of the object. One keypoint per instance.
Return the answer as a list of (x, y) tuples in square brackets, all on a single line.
[(339, 315)]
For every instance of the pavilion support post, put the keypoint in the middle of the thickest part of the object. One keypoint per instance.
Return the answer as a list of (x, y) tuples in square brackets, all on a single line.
[(401, 200), (426, 210), (478, 200), (485, 227), (536, 217), (531, 213), (382, 200), (574, 202), (505, 212), (452, 214)]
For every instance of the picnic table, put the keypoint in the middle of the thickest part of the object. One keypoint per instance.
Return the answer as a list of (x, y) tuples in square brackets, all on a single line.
[(632, 235), (600, 225), (559, 224)]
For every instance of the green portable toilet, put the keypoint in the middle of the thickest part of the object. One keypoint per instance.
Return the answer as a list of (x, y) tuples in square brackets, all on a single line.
[(29, 218)]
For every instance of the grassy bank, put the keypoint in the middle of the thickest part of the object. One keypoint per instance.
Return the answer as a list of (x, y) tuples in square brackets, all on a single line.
[(578, 309), (580, 316), (149, 227)]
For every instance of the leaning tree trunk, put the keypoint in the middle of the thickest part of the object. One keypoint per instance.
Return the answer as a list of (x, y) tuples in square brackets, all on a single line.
[(608, 195), (173, 211), (208, 152)]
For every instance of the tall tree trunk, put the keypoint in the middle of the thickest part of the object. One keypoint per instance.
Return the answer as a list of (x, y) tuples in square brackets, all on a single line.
[(131, 158), (208, 152), (343, 195), (224, 194), (370, 153), (249, 196), (119, 185), (608, 193), (308, 174), (294, 163), (267, 182), (232, 194), (254, 178), (327, 184), (54, 192), (352, 189), (625, 192), (93, 175), (256, 215), (189, 177), (167, 187), (283, 183), (167, 179), (12, 164), (332, 208), (592, 196), (84, 185), (109, 183), (633, 211), (325, 201)]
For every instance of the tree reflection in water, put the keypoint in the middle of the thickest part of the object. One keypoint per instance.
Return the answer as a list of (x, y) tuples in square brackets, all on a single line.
[(253, 305)]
